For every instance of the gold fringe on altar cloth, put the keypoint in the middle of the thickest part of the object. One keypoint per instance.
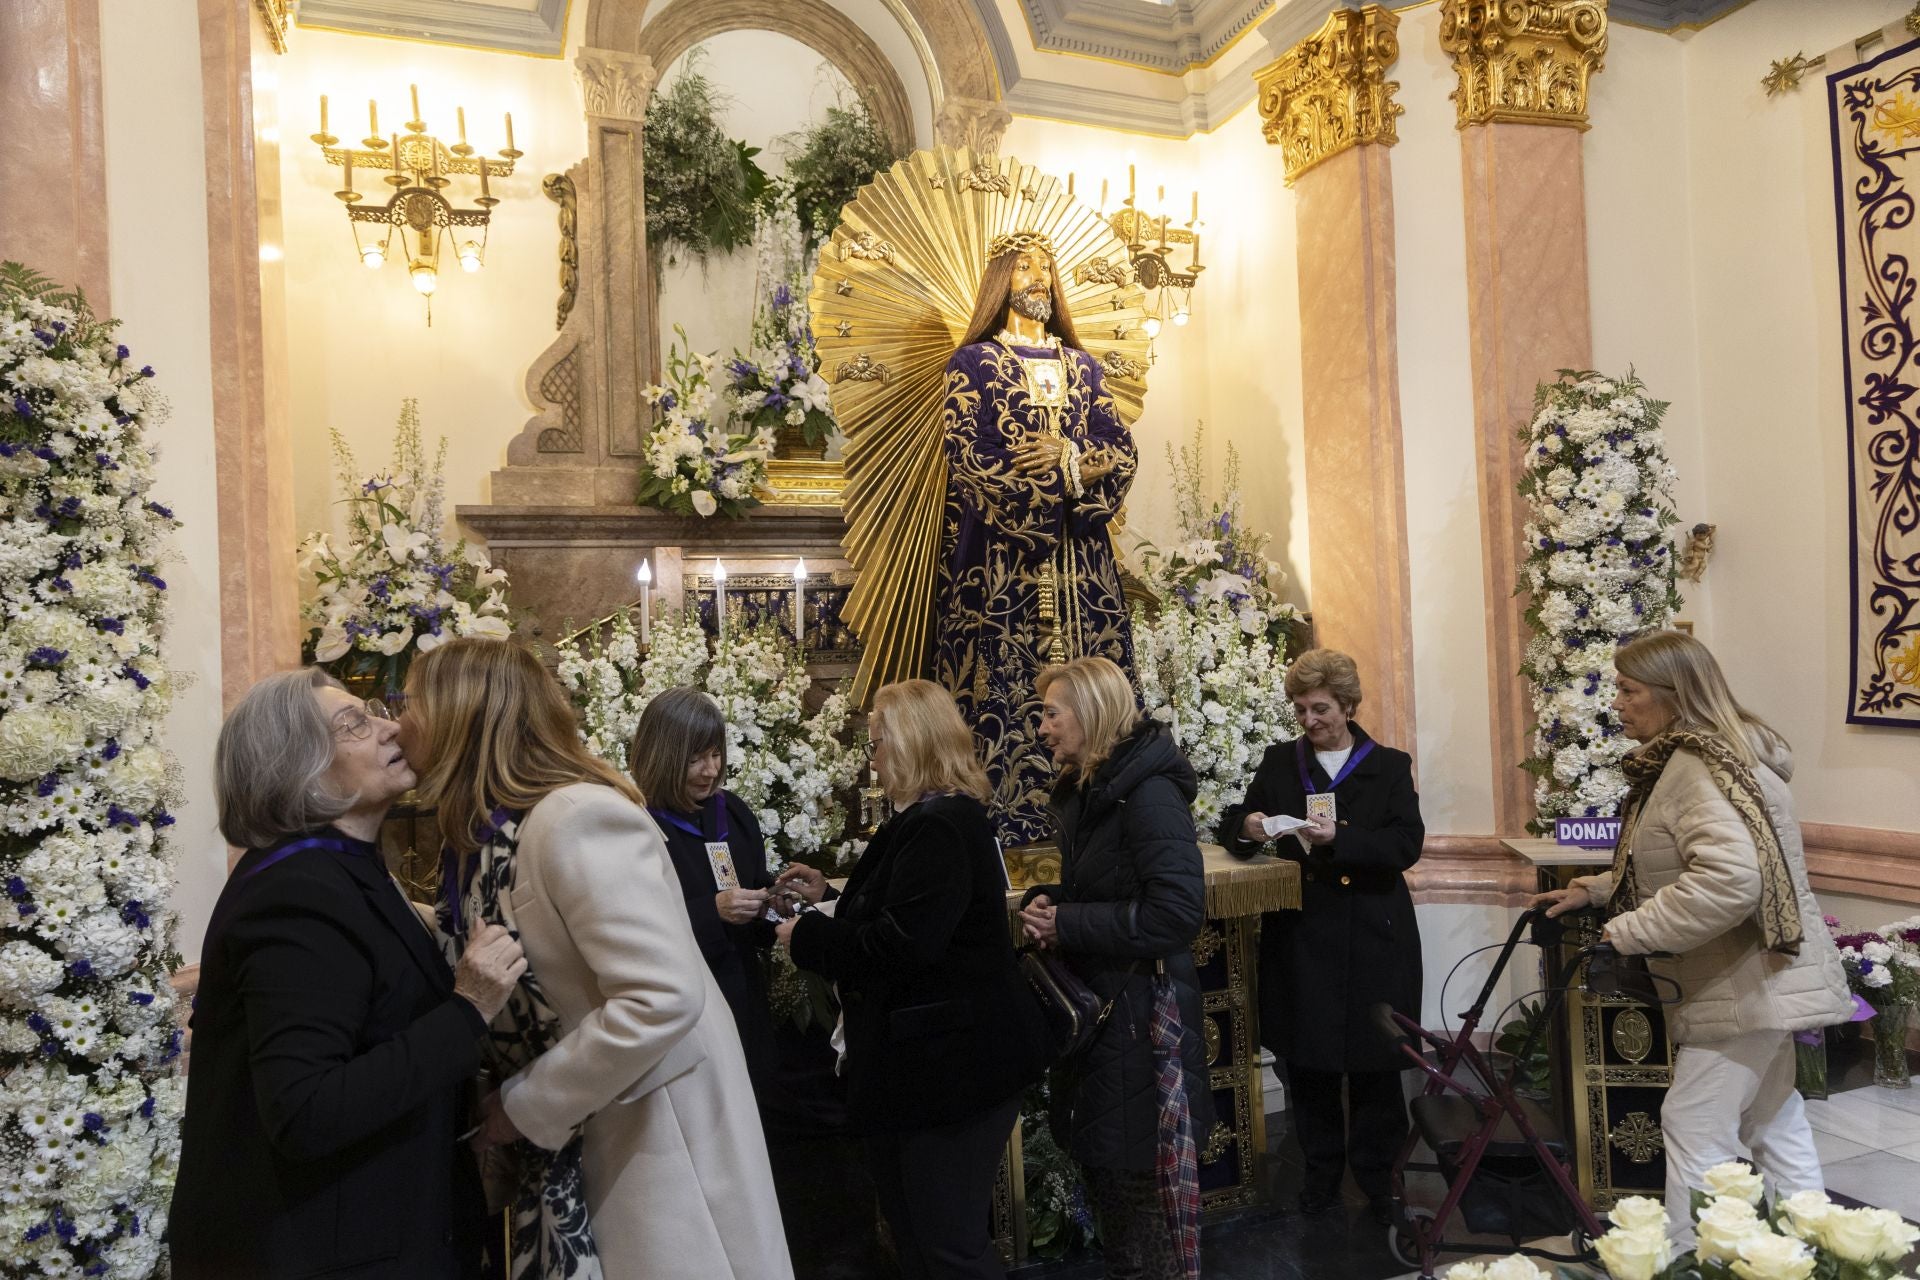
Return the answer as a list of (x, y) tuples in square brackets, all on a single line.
[(1235, 886)]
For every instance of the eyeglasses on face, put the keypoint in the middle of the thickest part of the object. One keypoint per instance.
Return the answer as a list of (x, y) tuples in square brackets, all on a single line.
[(357, 722)]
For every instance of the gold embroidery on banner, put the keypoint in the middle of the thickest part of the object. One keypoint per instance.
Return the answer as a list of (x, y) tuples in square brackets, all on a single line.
[(1523, 61), (1330, 92)]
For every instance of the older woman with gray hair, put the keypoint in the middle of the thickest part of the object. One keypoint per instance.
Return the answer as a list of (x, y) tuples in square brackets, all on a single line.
[(331, 1039)]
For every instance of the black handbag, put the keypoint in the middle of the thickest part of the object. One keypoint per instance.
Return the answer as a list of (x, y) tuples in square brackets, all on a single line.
[(1073, 1013)]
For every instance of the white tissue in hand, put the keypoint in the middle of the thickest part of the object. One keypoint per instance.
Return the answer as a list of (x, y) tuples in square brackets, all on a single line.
[(1278, 824)]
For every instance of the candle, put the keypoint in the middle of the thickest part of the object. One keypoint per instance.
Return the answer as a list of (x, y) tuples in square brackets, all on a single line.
[(800, 604), (1196, 207), (509, 130), (323, 113), (646, 600), (323, 116), (483, 178), (373, 118), (1196, 252), (348, 165), (720, 600), (1129, 186), (436, 159), (460, 113), (414, 89), (1103, 195), (396, 155)]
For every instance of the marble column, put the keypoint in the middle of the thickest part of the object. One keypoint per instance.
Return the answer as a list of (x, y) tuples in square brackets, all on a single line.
[(53, 203), (253, 451), (1521, 102), (1327, 103)]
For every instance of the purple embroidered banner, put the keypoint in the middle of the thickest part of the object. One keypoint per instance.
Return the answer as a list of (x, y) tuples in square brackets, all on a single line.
[(1875, 112)]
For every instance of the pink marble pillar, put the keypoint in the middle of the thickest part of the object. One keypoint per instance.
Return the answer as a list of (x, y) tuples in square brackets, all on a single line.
[(53, 202), (1528, 316), (1356, 487), (259, 601)]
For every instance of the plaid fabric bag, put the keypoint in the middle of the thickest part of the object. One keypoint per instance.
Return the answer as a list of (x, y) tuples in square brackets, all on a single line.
[(1177, 1167)]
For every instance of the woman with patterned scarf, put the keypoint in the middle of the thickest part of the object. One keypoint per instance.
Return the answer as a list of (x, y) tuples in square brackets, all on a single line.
[(617, 1115), (1709, 879)]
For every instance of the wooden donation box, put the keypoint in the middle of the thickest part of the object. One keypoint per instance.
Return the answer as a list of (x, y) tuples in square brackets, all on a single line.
[(1612, 1060), (1226, 952)]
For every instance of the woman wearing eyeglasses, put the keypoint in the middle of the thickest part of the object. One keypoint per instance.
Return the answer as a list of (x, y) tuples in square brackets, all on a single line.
[(331, 1041)]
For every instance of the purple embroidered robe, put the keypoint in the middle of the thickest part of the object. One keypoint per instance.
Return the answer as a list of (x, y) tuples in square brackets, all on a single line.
[(1002, 534)]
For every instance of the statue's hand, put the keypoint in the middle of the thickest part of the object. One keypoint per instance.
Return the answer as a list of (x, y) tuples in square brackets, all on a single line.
[(1098, 462), (1036, 455)]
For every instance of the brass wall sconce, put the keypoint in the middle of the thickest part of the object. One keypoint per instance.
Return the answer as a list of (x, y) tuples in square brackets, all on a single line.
[(1153, 240), (419, 167)]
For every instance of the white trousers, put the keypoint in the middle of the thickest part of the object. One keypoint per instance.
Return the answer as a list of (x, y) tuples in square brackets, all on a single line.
[(1734, 1099)]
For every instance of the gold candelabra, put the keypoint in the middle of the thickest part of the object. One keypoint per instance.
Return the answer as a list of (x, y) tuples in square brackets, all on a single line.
[(1152, 240), (419, 167)]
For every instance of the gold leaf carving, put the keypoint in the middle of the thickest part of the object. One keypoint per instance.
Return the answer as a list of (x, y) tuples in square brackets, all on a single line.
[(1330, 92), (1638, 1137), (1120, 366), (984, 177), (862, 368), (1098, 270), (866, 245), (1523, 61)]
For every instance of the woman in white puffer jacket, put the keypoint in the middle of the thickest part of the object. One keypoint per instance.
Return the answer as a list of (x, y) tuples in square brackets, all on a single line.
[(1709, 879)]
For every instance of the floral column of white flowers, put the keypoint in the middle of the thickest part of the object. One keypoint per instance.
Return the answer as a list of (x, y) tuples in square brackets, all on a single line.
[(90, 1094), (1600, 568)]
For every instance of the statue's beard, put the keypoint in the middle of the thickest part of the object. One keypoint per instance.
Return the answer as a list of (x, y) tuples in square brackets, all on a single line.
[(1033, 303)]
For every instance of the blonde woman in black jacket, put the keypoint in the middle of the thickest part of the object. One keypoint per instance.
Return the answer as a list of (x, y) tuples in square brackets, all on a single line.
[(1131, 898)]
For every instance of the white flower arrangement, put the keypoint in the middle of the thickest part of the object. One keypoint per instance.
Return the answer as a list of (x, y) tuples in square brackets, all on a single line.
[(1805, 1235), (1600, 568), (701, 459), (779, 385), (1212, 661), (90, 1092), (392, 588), (789, 766)]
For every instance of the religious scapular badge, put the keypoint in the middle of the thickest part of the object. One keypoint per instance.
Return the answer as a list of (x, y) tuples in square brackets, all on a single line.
[(1046, 383), (724, 876)]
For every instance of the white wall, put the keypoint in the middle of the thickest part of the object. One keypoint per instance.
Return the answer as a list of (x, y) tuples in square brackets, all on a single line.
[(157, 236), (1771, 400), (359, 339)]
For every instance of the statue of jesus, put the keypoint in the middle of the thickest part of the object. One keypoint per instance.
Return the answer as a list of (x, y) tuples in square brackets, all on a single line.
[(1038, 464)]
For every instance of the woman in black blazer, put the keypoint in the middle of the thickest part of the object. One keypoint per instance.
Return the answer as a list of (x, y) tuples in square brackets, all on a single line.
[(942, 1034), (330, 1039), (1353, 944)]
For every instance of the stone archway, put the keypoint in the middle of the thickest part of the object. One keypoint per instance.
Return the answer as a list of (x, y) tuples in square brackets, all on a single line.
[(818, 25)]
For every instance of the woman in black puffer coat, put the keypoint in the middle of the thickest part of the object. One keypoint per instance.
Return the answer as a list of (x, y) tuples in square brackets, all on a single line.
[(1131, 899)]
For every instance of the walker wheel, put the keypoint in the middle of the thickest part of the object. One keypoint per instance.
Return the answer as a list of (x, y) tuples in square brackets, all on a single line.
[(1402, 1240)]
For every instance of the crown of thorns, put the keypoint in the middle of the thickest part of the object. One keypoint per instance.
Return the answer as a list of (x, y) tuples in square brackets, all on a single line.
[(1020, 241)]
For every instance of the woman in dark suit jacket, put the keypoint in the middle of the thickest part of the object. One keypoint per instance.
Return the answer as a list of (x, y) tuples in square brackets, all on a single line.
[(942, 1034), (1353, 944), (330, 1038)]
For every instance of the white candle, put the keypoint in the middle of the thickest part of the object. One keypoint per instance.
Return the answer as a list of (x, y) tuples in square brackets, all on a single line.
[(646, 599), (800, 604), (720, 599)]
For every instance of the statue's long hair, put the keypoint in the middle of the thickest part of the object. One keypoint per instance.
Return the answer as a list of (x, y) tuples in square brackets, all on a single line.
[(990, 305)]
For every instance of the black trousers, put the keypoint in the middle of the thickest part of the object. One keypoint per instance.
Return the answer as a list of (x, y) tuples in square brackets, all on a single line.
[(936, 1190), (1364, 1134)]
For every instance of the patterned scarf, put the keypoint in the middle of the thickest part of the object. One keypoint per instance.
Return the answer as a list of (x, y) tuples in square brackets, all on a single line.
[(1176, 1166), (552, 1235), (1779, 913)]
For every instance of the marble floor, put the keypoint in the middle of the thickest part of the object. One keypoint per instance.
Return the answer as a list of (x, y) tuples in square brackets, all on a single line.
[(1869, 1141)]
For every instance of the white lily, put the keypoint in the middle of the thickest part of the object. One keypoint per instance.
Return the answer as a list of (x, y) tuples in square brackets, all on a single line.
[(404, 544), (704, 502), (333, 643), (813, 393)]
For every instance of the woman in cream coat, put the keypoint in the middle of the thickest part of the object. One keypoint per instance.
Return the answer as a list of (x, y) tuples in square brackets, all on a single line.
[(622, 1079), (1710, 878)]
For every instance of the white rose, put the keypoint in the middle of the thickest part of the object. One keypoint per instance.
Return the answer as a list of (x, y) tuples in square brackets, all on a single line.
[(1639, 1213), (1804, 1211), (1771, 1257), (1725, 1225), (1734, 1178), (1512, 1268), (1865, 1235), (1635, 1255), (1466, 1271)]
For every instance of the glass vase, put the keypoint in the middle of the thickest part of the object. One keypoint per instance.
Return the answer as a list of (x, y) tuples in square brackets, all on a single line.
[(1810, 1063), (1890, 1047)]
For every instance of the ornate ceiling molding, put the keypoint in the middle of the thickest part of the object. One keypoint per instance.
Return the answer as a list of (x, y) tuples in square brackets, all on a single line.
[(1330, 92), (1523, 61), (541, 32), (1171, 39)]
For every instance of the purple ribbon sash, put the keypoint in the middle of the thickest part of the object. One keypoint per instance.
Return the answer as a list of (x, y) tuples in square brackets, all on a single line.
[(1306, 779)]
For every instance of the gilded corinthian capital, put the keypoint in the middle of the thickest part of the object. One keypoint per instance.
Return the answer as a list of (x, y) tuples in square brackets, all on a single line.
[(1331, 92), (1523, 61)]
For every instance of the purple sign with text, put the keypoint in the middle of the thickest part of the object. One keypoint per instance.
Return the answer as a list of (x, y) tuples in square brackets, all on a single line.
[(1587, 833)]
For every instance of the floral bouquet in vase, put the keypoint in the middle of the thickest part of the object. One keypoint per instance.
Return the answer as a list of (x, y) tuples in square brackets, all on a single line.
[(700, 459), (391, 587), (1212, 660), (1883, 969), (778, 388)]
